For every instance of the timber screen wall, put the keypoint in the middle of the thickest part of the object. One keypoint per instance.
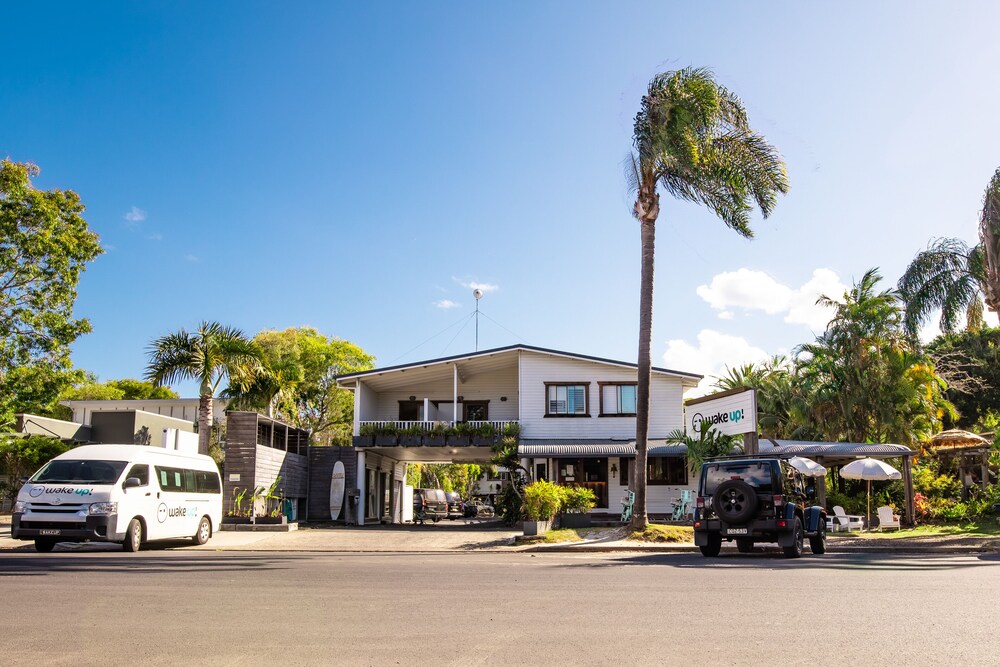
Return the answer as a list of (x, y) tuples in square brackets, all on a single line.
[(258, 451)]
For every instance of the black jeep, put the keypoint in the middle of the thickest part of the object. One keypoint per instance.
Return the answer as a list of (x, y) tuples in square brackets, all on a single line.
[(756, 499)]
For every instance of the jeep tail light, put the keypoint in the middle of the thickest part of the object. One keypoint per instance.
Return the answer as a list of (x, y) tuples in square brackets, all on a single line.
[(700, 503), (697, 525), (782, 523), (779, 500)]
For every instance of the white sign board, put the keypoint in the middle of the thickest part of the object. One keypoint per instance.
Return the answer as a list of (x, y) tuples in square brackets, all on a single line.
[(729, 413)]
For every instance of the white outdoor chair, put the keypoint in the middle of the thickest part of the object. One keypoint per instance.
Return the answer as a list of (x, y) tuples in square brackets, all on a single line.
[(886, 519), (847, 521)]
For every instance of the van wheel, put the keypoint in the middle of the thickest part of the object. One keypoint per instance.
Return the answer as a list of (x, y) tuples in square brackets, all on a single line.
[(44, 546), (204, 531), (133, 536)]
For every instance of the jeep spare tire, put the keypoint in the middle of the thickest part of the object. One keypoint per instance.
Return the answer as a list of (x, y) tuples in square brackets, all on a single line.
[(735, 501)]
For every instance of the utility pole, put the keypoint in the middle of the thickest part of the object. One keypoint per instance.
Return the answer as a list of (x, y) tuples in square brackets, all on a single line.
[(478, 293)]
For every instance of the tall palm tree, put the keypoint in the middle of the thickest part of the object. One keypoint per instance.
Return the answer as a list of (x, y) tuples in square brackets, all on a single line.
[(989, 239), (693, 140), (948, 275), (209, 355)]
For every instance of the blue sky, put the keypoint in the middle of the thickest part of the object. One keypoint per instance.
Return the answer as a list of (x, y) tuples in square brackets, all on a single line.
[(357, 167)]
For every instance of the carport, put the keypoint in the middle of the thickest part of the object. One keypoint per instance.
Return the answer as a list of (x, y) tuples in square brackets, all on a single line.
[(834, 455)]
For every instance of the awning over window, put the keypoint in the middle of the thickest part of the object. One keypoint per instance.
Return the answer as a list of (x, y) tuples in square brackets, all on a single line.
[(595, 448)]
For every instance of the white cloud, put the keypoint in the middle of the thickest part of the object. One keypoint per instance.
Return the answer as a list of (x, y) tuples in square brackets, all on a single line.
[(714, 352), (472, 284), (756, 290), (135, 215), (446, 304), (726, 315), (191, 258)]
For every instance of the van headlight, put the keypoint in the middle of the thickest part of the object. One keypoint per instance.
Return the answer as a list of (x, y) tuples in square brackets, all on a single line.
[(20, 507), (103, 508)]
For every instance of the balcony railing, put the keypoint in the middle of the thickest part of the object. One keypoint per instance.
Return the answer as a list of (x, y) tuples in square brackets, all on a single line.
[(498, 425)]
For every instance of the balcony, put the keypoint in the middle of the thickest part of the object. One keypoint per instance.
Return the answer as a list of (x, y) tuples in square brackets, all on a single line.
[(389, 433)]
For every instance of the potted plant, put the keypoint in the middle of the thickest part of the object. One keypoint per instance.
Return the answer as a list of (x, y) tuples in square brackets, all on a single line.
[(542, 501), (411, 435), (511, 430), (485, 434), (272, 502), (437, 436), (239, 513), (386, 435), (577, 502), (366, 435), (463, 433)]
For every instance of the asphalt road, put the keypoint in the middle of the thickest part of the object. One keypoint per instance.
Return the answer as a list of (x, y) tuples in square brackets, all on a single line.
[(229, 608)]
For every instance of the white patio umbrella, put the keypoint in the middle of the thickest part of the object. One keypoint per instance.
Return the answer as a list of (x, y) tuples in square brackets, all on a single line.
[(807, 467), (870, 469)]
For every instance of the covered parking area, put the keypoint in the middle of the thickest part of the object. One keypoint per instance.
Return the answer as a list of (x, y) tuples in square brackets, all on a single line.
[(834, 455)]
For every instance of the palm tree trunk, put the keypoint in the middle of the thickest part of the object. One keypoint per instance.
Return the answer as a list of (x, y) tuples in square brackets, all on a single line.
[(204, 422), (647, 209)]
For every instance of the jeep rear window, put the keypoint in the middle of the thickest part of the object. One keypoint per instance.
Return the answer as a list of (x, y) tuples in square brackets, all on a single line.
[(757, 475)]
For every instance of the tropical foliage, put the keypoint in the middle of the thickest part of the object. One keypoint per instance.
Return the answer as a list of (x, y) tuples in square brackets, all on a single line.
[(950, 276), (989, 238), (297, 384), (859, 381), (208, 355), (969, 362), (692, 139), (706, 444), (21, 457)]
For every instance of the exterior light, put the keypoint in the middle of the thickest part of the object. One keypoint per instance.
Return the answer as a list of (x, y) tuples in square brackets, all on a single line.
[(614, 470)]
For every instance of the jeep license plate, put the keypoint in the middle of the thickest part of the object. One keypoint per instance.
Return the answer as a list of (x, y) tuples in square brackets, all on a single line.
[(50, 531), (736, 531)]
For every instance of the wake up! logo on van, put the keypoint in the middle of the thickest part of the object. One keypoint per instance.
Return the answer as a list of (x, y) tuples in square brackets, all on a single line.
[(37, 491), (163, 512)]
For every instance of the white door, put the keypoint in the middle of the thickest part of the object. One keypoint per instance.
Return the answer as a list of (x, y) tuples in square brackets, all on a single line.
[(139, 501), (179, 509)]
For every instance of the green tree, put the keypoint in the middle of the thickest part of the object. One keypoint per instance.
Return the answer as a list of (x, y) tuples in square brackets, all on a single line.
[(115, 390), (21, 457), (36, 388), (208, 355), (298, 383), (989, 239), (969, 362), (692, 139), (45, 244), (864, 380), (948, 275)]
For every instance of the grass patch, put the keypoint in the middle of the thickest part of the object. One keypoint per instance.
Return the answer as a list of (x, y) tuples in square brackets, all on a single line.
[(563, 535), (656, 532), (985, 528)]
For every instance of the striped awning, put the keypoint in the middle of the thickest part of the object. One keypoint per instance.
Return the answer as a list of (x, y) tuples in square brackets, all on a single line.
[(833, 449), (530, 448)]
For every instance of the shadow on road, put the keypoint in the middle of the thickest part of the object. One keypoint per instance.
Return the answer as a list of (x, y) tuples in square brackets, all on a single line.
[(771, 560), (36, 565)]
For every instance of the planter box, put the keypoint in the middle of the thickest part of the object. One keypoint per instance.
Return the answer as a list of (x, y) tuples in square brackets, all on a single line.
[(386, 440), (481, 441), (459, 440), (271, 520), (363, 440), (435, 441), (536, 527), (235, 520), (409, 440), (575, 521)]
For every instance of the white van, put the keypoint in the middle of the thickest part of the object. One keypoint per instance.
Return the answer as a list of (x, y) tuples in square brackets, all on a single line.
[(119, 493)]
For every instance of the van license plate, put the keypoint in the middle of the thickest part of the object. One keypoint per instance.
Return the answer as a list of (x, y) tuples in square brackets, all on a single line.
[(50, 531), (736, 531)]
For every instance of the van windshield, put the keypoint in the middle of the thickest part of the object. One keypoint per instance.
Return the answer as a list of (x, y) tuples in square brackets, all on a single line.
[(68, 471)]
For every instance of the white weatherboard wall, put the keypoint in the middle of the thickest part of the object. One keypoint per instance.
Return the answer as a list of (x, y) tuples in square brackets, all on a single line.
[(659, 497), (483, 387), (665, 410)]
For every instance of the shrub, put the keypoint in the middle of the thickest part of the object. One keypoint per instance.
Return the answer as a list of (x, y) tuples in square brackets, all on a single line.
[(577, 499), (511, 430), (542, 500), (933, 485)]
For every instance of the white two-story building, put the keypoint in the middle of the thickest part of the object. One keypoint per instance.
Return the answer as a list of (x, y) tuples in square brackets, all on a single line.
[(574, 415)]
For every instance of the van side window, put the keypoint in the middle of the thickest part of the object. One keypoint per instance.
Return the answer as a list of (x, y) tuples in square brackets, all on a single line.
[(141, 472), (188, 481)]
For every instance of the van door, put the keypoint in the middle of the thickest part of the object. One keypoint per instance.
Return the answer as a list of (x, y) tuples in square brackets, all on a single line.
[(177, 513), (138, 501)]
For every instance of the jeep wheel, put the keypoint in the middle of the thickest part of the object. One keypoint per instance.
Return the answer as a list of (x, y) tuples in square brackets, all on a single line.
[(744, 545), (817, 543), (713, 547), (795, 550), (735, 501)]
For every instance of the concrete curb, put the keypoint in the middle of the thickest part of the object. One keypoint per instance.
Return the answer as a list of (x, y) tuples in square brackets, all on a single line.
[(690, 548)]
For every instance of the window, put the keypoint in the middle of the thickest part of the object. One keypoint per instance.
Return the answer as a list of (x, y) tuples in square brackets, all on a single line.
[(667, 470), (566, 400), (187, 481), (410, 411), (87, 471), (140, 472), (625, 465), (618, 400)]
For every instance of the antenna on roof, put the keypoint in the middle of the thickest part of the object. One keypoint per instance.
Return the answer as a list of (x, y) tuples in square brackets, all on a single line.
[(478, 293)]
